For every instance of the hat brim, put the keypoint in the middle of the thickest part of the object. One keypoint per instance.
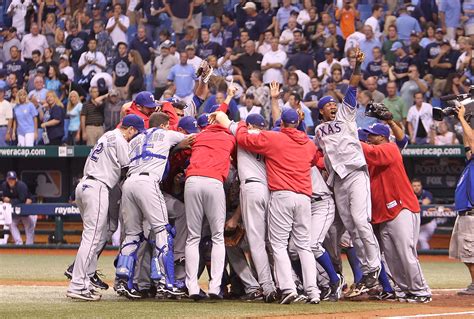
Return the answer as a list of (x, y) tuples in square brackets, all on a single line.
[(369, 131), (193, 130)]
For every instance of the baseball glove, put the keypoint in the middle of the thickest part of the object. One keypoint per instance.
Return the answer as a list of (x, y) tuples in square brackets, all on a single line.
[(233, 237), (379, 111)]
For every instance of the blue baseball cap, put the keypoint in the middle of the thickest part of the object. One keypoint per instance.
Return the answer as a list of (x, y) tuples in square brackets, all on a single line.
[(378, 129), (146, 99), (189, 124), (135, 121), (325, 100), (290, 116), (362, 134), (11, 175), (255, 119), (202, 120), (396, 46)]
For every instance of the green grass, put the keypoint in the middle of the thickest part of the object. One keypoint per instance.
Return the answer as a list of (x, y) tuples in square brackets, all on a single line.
[(50, 302)]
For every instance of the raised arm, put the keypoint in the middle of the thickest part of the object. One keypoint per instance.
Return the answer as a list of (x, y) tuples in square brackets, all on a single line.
[(275, 94)]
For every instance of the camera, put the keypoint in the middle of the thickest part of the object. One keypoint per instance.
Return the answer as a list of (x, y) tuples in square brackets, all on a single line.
[(465, 99)]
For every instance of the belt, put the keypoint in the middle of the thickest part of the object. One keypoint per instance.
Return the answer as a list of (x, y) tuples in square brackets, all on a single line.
[(145, 173), (3, 125), (319, 198), (467, 213), (249, 180), (98, 180), (94, 124)]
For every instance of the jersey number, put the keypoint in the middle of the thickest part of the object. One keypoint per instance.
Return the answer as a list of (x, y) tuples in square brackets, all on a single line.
[(98, 149)]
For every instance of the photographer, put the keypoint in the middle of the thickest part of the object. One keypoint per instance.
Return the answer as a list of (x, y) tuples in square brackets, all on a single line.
[(461, 245)]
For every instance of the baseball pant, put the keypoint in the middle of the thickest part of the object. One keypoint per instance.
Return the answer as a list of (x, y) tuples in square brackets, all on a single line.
[(332, 240), (142, 200), (92, 198), (204, 196), (290, 214), (142, 279), (399, 238), (254, 200), (109, 228), (238, 262), (353, 202), (177, 212), (29, 224)]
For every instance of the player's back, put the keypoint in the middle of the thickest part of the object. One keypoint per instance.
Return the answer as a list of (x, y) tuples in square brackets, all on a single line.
[(249, 165), (149, 151), (211, 153), (107, 158)]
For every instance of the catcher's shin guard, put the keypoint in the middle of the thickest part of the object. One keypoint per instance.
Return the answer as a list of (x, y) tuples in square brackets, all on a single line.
[(165, 258), (125, 264)]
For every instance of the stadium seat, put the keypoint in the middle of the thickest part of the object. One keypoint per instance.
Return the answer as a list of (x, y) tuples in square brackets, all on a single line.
[(207, 21), (365, 11)]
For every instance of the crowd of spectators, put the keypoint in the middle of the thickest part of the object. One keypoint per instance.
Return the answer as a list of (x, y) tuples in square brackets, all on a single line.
[(67, 67)]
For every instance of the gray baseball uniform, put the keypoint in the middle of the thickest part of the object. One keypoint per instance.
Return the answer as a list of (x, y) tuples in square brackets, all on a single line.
[(101, 173), (142, 197), (345, 162), (254, 196)]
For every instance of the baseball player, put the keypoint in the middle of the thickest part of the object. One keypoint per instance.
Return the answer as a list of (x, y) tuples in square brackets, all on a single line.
[(289, 155), (204, 196), (254, 196), (322, 214), (345, 162), (102, 172), (142, 199), (395, 210)]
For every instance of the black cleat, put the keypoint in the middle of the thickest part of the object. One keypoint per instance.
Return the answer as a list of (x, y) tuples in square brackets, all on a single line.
[(288, 298), (271, 297), (336, 290), (68, 272), (253, 296), (97, 282), (371, 279), (122, 290), (325, 292), (200, 296), (418, 299)]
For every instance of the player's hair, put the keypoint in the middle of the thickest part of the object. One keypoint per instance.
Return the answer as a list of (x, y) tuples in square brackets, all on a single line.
[(159, 118), (416, 180)]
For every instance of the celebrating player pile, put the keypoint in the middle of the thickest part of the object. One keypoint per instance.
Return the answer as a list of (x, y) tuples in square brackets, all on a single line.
[(182, 187)]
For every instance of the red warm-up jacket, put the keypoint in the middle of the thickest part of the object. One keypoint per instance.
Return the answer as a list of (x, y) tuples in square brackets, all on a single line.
[(211, 152), (166, 108), (390, 188), (289, 156)]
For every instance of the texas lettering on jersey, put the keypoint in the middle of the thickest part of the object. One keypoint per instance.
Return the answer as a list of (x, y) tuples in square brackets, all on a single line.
[(329, 128)]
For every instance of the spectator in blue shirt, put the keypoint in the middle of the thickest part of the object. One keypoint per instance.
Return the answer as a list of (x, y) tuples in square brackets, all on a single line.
[(25, 124), (74, 108), (255, 24), (450, 16), (183, 77), (367, 46), (283, 14), (142, 44), (231, 32), (405, 25)]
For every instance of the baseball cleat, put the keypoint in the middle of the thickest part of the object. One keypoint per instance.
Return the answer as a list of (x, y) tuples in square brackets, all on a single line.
[(200, 296), (384, 296), (469, 291), (68, 272), (301, 299), (371, 279), (325, 292), (336, 289), (86, 296), (218, 296), (162, 288), (288, 298), (271, 297), (418, 299), (123, 290), (357, 290), (314, 301), (252, 296), (97, 282)]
